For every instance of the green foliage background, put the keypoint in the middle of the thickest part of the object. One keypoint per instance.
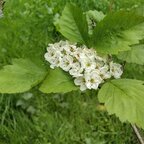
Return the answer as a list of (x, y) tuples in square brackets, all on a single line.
[(73, 118)]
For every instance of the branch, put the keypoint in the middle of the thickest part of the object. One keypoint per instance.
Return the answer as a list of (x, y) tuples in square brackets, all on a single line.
[(138, 134)]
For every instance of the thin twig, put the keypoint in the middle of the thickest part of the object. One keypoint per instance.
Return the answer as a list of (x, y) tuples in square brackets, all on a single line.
[(138, 134), (111, 5)]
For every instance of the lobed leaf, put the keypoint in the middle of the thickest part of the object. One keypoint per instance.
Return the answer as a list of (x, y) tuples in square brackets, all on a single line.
[(21, 76), (135, 55), (73, 25), (118, 31), (125, 98), (57, 81)]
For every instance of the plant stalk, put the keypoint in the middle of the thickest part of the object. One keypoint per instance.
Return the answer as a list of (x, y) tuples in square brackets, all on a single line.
[(138, 134)]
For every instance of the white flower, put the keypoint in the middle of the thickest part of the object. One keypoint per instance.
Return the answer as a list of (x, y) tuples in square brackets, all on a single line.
[(85, 65), (80, 81), (71, 49), (99, 63), (66, 62), (77, 53), (90, 53), (115, 70), (76, 70), (50, 52), (104, 72), (54, 60), (92, 79)]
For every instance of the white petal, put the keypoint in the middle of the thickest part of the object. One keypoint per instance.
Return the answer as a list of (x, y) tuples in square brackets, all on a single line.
[(83, 87)]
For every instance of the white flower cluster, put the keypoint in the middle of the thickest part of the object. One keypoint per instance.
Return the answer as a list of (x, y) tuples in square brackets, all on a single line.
[(87, 68)]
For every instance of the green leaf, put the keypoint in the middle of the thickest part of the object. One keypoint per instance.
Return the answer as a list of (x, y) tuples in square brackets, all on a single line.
[(21, 76), (57, 81), (93, 17), (117, 32), (133, 71), (125, 98), (135, 55), (73, 25)]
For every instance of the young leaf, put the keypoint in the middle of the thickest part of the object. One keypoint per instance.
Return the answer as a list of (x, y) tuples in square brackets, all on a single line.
[(125, 98), (117, 31), (21, 76), (57, 81), (93, 17), (135, 55), (73, 24)]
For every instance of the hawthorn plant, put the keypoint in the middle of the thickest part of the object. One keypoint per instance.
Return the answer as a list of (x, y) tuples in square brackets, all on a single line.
[(93, 56)]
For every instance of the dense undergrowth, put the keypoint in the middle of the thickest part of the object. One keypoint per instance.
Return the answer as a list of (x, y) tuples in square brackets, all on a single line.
[(36, 118)]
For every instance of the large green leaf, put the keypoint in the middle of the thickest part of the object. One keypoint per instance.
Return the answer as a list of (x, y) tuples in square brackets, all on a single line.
[(57, 81), (73, 24), (21, 76), (118, 31), (125, 98), (135, 55)]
